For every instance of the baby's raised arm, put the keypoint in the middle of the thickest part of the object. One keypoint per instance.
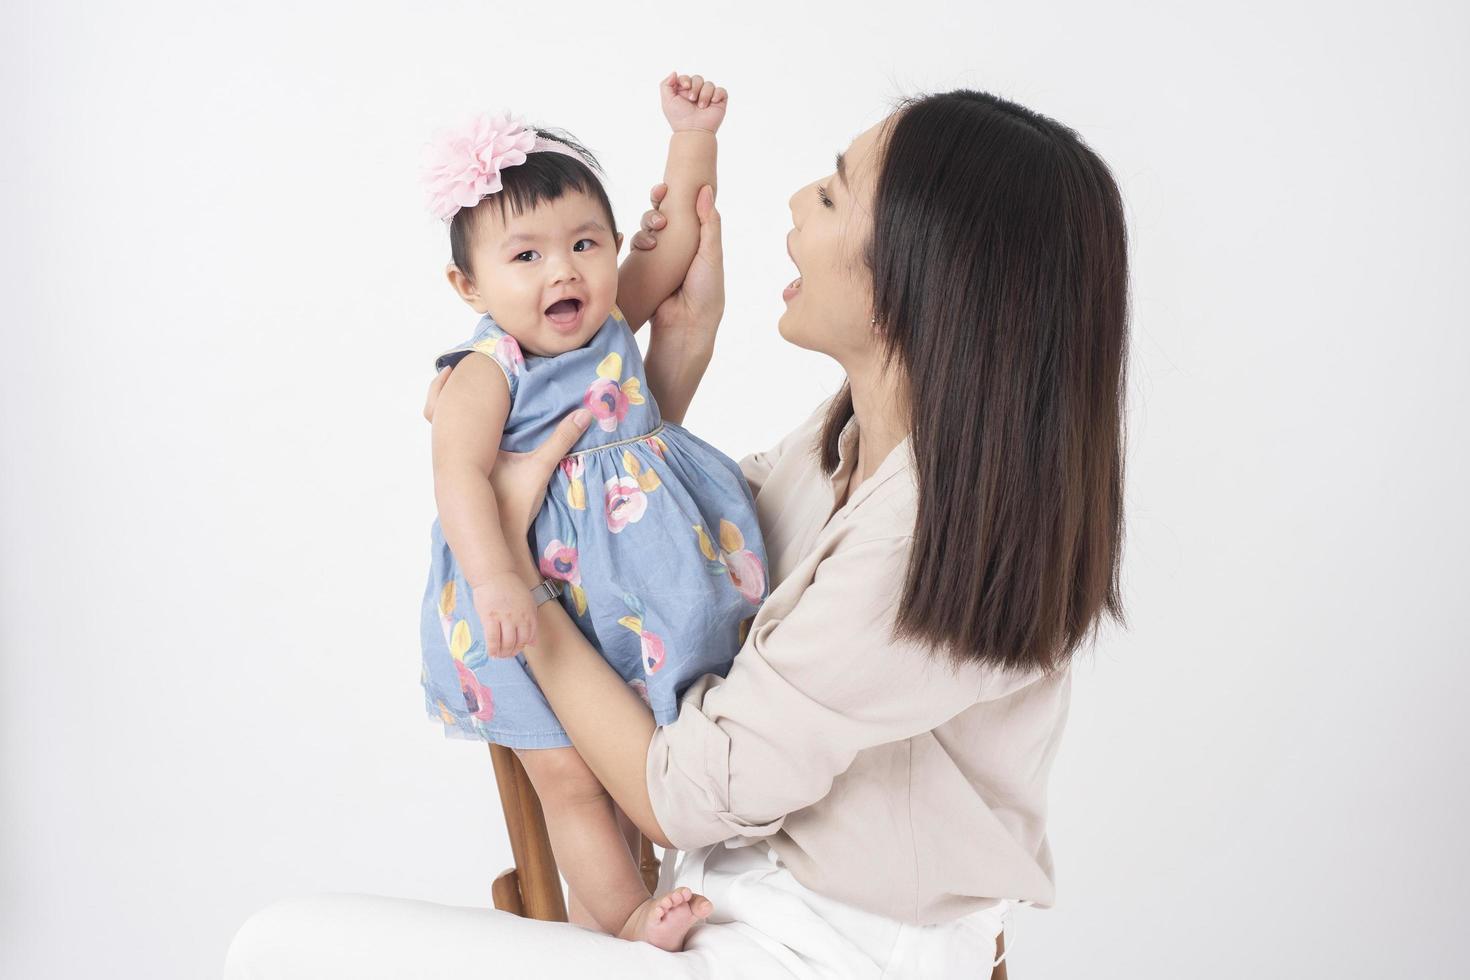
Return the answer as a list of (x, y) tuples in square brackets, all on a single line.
[(694, 108)]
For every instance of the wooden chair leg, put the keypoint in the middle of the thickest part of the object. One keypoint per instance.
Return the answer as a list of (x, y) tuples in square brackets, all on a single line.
[(537, 885), (999, 973), (533, 887)]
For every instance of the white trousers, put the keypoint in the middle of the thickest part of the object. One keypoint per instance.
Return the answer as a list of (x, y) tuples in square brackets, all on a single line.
[(765, 924)]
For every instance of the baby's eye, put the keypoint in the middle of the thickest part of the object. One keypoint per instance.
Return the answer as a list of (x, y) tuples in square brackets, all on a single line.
[(588, 240), (531, 251), (822, 196)]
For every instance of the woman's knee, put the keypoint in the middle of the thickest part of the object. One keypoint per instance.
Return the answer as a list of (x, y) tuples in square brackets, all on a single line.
[(259, 942)]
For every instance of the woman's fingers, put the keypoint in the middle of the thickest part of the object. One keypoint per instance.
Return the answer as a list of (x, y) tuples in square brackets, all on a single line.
[(710, 244), (563, 438), (435, 386), (644, 239)]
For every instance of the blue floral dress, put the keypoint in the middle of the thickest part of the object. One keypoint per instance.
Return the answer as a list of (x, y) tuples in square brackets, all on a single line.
[(651, 530)]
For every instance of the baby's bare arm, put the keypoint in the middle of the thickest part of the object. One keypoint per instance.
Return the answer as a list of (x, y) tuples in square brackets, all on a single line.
[(468, 422), (469, 416), (695, 108)]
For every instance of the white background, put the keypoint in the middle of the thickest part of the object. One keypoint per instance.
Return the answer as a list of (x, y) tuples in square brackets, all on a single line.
[(222, 297)]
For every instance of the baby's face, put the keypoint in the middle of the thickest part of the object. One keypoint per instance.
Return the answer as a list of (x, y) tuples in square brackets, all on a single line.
[(548, 276)]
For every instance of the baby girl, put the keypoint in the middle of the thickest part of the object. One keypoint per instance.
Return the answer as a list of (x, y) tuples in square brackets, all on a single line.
[(648, 534)]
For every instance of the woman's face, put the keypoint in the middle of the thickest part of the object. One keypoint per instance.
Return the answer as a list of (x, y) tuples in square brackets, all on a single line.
[(829, 306)]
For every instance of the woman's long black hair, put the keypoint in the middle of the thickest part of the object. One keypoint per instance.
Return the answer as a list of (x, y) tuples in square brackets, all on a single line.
[(1000, 271)]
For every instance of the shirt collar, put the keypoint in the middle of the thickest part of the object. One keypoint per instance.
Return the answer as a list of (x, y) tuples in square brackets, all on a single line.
[(898, 460)]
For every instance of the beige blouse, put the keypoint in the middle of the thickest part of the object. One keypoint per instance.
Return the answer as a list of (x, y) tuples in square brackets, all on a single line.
[(879, 776)]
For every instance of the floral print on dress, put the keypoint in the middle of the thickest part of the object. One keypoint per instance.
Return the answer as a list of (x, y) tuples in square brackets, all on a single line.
[(573, 467), (662, 610), (464, 650), (608, 400), (477, 699), (653, 645), (734, 559), (560, 561), (625, 497), (505, 351)]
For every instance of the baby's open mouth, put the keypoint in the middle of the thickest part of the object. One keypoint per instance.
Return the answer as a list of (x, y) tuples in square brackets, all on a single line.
[(564, 310)]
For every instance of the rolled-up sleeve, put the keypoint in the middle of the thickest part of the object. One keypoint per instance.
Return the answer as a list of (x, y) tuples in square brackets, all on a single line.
[(804, 696), (757, 466)]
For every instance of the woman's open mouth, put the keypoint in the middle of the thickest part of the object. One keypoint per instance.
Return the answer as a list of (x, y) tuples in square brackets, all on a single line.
[(565, 314)]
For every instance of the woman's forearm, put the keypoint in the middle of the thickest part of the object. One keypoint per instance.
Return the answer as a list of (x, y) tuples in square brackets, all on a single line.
[(608, 723), (674, 369), (470, 519)]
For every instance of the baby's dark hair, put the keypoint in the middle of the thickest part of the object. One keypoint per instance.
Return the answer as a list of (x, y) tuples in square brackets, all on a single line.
[(544, 176)]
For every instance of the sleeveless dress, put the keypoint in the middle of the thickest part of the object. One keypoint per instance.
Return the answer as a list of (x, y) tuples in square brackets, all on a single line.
[(651, 530)]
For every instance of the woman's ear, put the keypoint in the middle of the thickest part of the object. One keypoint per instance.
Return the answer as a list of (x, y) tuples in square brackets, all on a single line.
[(465, 287)]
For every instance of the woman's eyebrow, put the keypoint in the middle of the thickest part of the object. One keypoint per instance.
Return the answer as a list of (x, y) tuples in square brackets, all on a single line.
[(841, 170)]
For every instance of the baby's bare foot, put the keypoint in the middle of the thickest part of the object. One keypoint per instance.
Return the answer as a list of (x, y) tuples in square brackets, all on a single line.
[(665, 920)]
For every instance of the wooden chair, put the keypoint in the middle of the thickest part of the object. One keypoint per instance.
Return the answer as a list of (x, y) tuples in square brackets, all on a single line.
[(533, 887)]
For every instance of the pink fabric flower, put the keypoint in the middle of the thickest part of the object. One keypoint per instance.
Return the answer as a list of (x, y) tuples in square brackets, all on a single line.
[(560, 561), (477, 696), (746, 574), (462, 165), (653, 651), (607, 402), (509, 353), (623, 503)]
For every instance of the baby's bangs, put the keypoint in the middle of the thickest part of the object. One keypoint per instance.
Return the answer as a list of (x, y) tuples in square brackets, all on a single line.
[(543, 178)]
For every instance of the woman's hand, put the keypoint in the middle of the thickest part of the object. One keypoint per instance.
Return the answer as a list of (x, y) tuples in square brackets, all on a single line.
[(645, 238), (519, 481), (698, 304), (435, 386), (701, 298), (682, 332)]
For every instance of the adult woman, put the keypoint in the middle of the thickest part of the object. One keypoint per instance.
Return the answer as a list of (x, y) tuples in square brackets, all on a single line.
[(864, 793)]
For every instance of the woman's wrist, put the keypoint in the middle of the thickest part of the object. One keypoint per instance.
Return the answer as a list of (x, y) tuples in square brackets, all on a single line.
[(526, 569), (681, 358), (674, 369)]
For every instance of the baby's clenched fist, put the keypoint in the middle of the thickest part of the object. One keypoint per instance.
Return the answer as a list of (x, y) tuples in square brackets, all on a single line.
[(690, 102), (507, 613)]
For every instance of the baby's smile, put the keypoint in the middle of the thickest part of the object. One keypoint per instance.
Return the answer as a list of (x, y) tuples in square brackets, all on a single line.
[(565, 315)]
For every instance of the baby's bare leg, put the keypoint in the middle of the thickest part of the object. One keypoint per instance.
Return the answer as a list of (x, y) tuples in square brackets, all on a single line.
[(590, 847), (577, 912)]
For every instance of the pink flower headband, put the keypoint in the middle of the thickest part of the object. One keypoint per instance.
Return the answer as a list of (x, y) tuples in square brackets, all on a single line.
[(461, 166)]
